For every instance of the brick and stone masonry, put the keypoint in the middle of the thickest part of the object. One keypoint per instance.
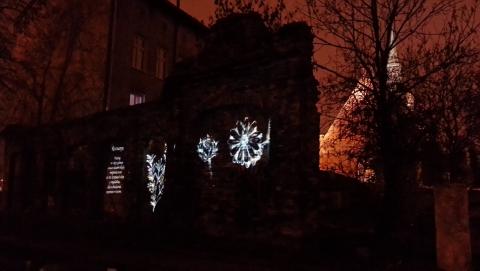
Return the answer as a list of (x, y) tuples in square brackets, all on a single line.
[(244, 70)]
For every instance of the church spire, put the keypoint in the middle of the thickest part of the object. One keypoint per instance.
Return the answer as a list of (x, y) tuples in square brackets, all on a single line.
[(393, 64)]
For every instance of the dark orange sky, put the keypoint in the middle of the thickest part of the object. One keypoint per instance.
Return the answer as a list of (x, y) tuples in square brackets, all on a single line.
[(203, 9), (200, 9)]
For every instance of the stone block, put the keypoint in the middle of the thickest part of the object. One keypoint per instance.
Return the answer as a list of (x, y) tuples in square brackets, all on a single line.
[(452, 228)]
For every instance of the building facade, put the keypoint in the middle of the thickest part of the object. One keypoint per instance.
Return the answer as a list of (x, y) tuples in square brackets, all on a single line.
[(231, 147), (127, 49), (146, 38)]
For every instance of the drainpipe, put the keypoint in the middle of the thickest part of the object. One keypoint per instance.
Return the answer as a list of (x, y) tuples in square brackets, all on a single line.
[(109, 57), (175, 38)]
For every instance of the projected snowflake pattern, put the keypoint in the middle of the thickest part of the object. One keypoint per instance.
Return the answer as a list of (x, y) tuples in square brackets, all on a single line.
[(156, 176), (246, 143), (207, 148)]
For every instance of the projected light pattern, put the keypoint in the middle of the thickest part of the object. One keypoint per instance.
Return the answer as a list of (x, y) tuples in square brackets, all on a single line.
[(156, 176), (207, 148), (246, 143)]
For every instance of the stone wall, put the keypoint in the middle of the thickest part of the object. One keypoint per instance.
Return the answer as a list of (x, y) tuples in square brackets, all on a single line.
[(452, 228), (60, 169), (245, 70)]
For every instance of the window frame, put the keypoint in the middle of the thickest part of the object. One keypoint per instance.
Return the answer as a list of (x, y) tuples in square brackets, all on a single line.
[(160, 63), (139, 53)]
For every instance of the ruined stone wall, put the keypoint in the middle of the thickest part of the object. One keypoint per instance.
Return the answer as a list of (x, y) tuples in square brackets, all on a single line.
[(60, 169), (244, 71)]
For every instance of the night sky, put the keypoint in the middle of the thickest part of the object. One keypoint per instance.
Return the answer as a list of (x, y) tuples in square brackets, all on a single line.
[(203, 9), (200, 9)]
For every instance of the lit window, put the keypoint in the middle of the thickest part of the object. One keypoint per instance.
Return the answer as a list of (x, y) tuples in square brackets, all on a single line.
[(138, 53), (160, 63), (137, 99)]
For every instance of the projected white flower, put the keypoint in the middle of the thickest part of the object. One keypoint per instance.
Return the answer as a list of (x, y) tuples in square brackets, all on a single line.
[(156, 176), (207, 148), (246, 143)]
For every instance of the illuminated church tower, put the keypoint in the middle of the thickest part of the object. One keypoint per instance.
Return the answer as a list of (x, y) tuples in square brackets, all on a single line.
[(339, 145)]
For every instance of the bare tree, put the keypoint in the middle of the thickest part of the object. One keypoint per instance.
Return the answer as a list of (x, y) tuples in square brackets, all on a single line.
[(386, 52), (273, 15), (14, 15), (448, 113), (55, 68)]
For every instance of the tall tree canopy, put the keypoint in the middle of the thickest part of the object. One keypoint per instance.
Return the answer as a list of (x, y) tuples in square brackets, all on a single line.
[(54, 66), (389, 54), (272, 14)]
